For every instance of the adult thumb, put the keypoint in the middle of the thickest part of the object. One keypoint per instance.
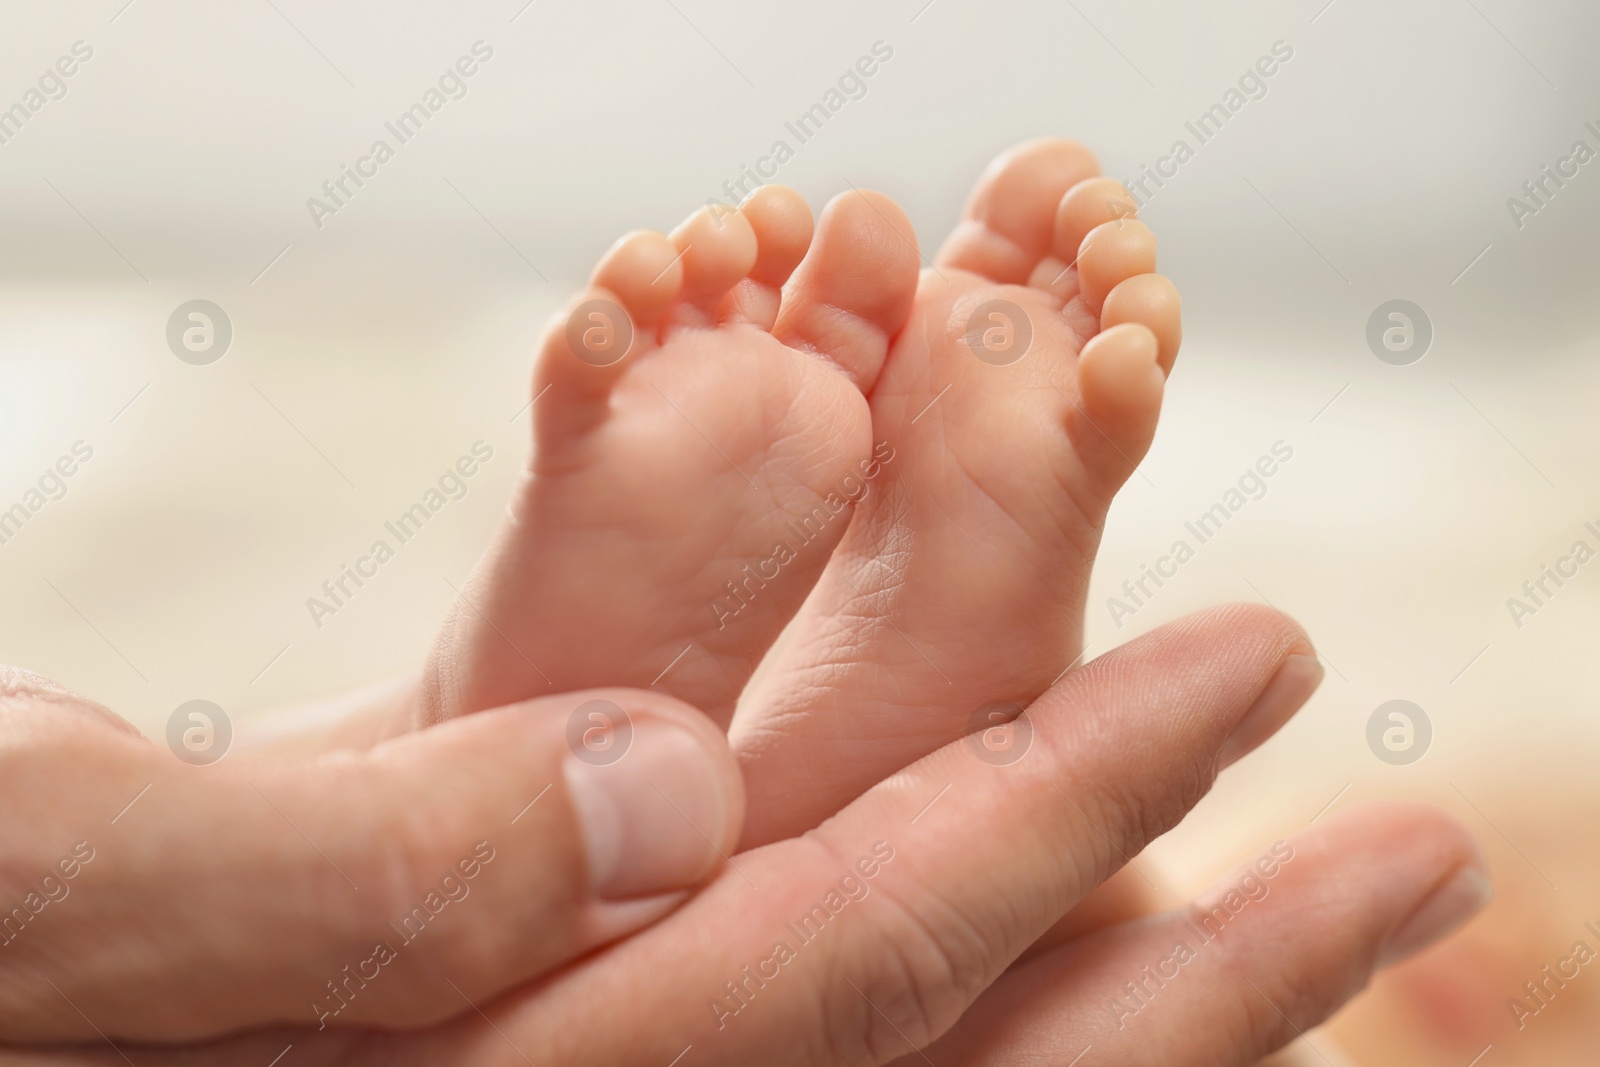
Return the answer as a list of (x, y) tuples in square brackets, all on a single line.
[(390, 887)]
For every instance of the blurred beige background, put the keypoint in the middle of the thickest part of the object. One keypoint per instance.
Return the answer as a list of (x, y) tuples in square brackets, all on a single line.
[(369, 353)]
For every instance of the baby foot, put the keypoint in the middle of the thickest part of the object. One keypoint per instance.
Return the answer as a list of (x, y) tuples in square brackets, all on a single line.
[(1021, 394), (695, 453)]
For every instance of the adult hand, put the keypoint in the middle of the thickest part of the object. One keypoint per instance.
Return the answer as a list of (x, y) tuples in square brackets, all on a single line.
[(145, 898), (871, 937)]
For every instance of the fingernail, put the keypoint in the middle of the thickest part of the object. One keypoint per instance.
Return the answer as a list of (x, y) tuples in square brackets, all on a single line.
[(1441, 913), (1288, 691), (650, 818)]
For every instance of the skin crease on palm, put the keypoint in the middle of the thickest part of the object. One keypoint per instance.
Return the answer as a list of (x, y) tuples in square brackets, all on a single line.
[(772, 364)]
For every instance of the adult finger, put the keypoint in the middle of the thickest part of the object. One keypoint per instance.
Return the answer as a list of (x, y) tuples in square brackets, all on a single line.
[(869, 936), (363, 888), (1131, 893), (1269, 953)]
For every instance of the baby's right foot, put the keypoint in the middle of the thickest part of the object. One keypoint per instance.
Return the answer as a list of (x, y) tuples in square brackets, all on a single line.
[(686, 487)]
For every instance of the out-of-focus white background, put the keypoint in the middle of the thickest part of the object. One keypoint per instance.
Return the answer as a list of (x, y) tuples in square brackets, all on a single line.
[(370, 352)]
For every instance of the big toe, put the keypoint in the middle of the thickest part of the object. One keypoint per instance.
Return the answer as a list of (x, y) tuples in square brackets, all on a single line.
[(853, 291), (1009, 222)]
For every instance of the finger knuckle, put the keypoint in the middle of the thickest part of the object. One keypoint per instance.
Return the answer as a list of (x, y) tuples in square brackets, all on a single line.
[(909, 983), (1276, 1009)]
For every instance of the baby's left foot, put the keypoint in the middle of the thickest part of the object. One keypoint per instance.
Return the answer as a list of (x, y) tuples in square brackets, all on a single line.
[(1017, 400)]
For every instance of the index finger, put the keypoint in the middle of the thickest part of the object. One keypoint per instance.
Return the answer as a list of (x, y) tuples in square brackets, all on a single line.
[(868, 937)]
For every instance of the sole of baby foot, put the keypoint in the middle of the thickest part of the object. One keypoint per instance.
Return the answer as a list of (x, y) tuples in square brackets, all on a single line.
[(700, 436), (1021, 395)]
